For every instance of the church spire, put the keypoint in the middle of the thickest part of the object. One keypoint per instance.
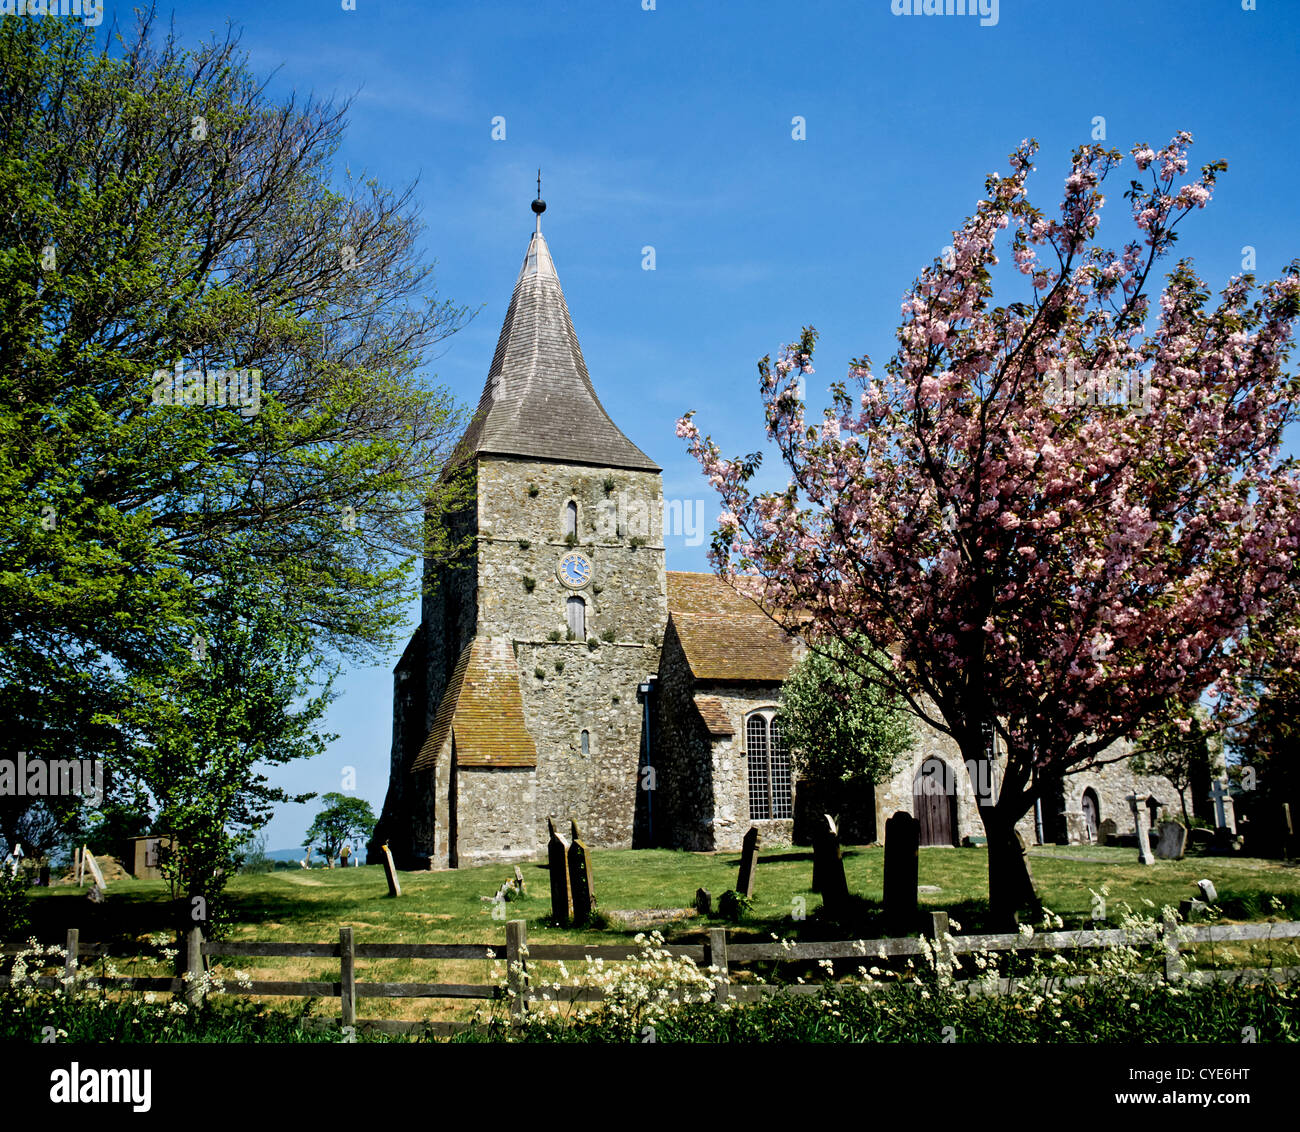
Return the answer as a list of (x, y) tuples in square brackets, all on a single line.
[(538, 401)]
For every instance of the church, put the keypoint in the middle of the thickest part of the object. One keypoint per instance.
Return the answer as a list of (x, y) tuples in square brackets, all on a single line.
[(560, 670)]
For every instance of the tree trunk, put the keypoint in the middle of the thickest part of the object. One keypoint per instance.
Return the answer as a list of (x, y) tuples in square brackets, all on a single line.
[(1011, 885)]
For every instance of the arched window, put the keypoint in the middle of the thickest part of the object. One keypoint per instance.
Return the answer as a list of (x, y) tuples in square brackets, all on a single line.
[(585, 742), (571, 519), (770, 793), (577, 609)]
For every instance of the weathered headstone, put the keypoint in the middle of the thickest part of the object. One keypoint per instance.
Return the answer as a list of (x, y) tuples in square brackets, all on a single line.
[(829, 865), (390, 871), (580, 878), (1106, 832), (519, 880), (704, 902), (1219, 795), (557, 864), (1171, 841), (1208, 892), (1192, 909), (96, 893), (93, 866), (748, 859), (902, 861), (1138, 806)]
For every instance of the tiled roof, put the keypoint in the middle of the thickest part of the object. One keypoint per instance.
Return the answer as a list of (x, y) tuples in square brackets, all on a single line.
[(538, 401), (483, 710), (724, 634), (714, 715)]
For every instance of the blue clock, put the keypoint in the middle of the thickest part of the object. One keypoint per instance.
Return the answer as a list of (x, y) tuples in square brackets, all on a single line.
[(575, 570)]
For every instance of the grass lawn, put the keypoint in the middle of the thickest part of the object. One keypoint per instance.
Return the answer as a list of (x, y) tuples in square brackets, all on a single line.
[(447, 907)]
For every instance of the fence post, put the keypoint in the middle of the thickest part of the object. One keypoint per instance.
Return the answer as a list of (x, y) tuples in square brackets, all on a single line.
[(718, 959), (194, 965), (517, 969), (70, 963), (1173, 961), (348, 976), (936, 930)]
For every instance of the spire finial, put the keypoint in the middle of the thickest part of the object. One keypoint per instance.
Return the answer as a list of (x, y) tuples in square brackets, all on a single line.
[(539, 205)]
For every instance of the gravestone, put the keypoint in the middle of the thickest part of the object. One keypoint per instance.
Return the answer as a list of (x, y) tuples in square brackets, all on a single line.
[(748, 859), (1139, 808), (1219, 795), (96, 893), (902, 843), (1208, 892), (43, 877), (519, 880), (390, 871), (1106, 832), (829, 866), (93, 866), (580, 878), (557, 864), (703, 902), (1171, 841), (1192, 909)]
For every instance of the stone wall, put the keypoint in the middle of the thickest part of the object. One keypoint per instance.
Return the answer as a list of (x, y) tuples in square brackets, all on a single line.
[(496, 814)]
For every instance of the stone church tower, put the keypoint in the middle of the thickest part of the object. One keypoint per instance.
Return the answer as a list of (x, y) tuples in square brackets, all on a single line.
[(522, 694)]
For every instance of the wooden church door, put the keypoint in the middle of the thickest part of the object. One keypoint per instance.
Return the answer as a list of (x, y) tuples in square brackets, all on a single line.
[(934, 803)]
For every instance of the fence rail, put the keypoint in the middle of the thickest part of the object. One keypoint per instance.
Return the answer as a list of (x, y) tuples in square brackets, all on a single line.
[(718, 953)]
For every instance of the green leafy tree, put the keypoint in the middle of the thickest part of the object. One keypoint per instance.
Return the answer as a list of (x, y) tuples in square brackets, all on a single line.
[(217, 451), (843, 732), (343, 819), (205, 731), (1183, 756), (164, 216)]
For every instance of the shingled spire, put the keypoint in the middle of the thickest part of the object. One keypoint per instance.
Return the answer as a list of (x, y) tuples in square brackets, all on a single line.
[(538, 401)]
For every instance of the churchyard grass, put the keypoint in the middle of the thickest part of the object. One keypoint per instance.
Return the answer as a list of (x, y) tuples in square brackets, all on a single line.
[(446, 907)]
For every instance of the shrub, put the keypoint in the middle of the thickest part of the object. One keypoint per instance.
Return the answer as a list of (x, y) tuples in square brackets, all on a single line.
[(539, 672), (532, 491), (13, 904), (559, 666), (524, 544), (554, 635), (608, 636), (592, 644), (733, 906), (529, 583)]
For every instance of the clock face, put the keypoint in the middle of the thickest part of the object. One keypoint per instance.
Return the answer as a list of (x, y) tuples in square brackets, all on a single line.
[(575, 570)]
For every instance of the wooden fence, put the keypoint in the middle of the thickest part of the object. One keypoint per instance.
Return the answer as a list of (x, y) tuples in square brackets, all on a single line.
[(717, 953)]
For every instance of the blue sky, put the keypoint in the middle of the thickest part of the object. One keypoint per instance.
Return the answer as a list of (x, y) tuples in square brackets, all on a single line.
[(672, 128)]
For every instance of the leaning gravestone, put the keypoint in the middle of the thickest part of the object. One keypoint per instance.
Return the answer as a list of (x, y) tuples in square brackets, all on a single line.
[(96, 893), (1138, 806), (829, 865), (580, 878), (1208, 892), (390, 871), (748, 859), (1171, 841), (704, 902), (902, 846), (557, 864)]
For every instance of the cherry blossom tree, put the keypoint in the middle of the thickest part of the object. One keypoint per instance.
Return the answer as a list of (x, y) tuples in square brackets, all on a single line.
[(1048, 516)]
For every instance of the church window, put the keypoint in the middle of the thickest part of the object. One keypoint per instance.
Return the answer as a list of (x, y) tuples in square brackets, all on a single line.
[(577, 617), (585, 741), (770, 794), (571, 519)]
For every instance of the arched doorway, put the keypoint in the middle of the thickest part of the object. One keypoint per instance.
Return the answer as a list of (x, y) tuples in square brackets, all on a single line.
[(934, 803), (1091, 815)]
